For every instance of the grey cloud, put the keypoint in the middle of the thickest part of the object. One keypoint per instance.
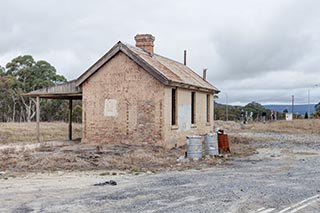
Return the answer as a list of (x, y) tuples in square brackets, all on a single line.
[(278, 43), (253, 50)]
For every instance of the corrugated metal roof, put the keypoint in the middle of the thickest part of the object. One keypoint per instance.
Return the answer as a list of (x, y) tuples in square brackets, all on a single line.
[(174, 71)]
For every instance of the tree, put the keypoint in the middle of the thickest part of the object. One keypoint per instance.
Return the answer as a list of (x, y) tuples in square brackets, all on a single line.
[(234, 112), (256, 109), (317, 108), (32, 75), (2, 71), (77, 113), (9, 89), (306, 115)]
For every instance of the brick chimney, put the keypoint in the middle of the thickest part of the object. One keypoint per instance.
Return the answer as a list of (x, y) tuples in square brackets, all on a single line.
[(145, 42)]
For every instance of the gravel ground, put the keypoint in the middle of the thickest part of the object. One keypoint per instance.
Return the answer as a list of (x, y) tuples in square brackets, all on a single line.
[(284, 172)]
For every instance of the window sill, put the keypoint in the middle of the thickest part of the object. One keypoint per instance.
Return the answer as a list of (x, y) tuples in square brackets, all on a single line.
[(174, 127), (193, 126)]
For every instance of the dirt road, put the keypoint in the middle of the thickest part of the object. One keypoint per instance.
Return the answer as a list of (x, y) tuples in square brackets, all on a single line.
[(284, 176)]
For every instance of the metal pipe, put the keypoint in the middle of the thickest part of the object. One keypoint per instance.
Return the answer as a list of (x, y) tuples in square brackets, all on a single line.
[(204, 74), (185, 57)]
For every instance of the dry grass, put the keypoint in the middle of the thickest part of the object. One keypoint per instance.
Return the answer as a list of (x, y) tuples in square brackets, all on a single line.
[(242, 146), (311, 126), (26, 132), (84, 157), (75, 156), (228, 126)]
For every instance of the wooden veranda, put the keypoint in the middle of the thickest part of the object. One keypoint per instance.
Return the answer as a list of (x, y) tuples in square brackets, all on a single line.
[(67, 91)]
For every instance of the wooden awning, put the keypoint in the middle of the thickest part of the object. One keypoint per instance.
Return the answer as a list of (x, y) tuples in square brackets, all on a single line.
[(67, 90)]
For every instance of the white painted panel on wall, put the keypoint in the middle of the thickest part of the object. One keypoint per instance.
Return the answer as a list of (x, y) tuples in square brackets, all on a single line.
[(110, 108), (184, 117)]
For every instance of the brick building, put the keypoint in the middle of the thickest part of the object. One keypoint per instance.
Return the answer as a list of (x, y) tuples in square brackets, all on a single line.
[(133, 95)]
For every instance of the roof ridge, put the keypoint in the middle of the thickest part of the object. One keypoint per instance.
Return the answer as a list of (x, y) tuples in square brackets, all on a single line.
[(171, 65), (170, 59), (164, 69), (156, 54), (186, 67)]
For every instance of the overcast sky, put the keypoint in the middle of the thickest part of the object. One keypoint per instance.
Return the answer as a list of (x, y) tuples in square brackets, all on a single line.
[(263, 51)]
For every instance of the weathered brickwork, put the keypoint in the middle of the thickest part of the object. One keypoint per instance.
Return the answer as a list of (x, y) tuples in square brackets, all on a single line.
[(138, 96), (127, 97), (138, 107), (176, 135)]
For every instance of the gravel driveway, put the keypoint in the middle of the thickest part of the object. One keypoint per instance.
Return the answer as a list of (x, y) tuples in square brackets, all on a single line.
[(284, 176)]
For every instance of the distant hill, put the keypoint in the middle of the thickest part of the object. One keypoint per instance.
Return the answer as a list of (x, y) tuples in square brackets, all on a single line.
[(234, 112), (299, 109), (238, 112)]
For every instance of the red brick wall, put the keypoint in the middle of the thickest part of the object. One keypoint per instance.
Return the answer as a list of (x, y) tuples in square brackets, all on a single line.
[(139, 108)]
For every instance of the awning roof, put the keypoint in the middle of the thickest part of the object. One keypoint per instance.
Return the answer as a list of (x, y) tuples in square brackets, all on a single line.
[(67, 90)]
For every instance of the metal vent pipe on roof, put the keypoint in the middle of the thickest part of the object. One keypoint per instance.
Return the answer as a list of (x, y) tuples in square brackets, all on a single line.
[(204, 75), (185, 57)]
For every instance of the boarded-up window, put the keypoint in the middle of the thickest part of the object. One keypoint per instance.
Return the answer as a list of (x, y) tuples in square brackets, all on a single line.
[(193, 107), (208, 108), (174, 107)]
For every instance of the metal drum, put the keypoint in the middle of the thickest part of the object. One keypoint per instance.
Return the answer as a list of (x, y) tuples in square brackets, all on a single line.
[(211, 142), (223, 143), (194, 147)]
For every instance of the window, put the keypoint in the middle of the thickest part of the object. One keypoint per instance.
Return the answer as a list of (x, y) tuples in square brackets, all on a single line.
[(174, 107), (193, 107), (208, 108)]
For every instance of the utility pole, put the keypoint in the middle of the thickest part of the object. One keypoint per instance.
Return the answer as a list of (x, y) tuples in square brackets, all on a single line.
[(292, 106), (227, 107), (308, 103)]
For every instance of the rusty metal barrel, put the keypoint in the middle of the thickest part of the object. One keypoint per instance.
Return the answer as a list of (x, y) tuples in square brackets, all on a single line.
[(211, 144), (223, 143), (194, 147)]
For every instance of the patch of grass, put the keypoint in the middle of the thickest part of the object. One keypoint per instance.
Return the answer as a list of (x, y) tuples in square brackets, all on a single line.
[(104, 173), (311, 126), (241, 146), (26, 132), (306, 153), (302, 126)]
